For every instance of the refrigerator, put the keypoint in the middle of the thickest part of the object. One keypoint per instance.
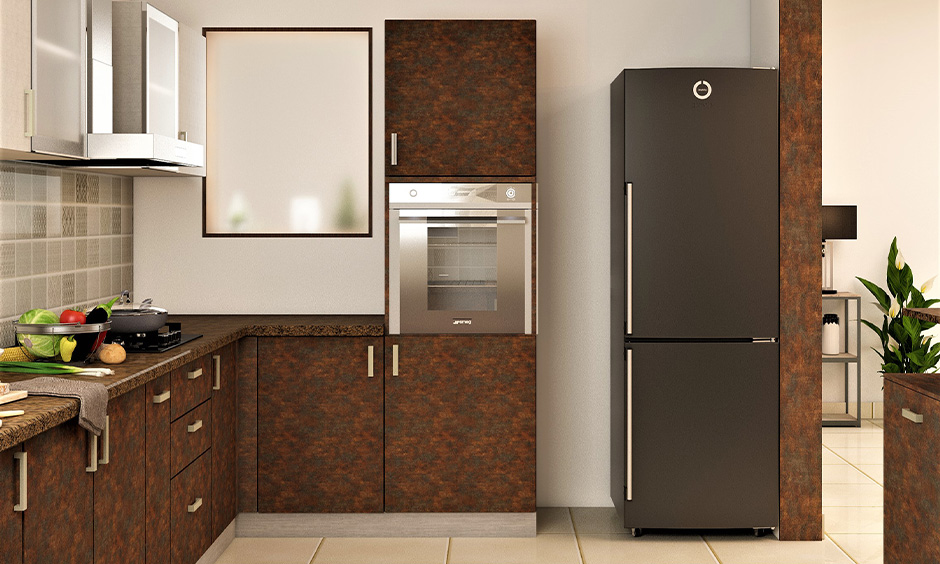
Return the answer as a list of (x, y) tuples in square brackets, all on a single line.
[(695, 270)]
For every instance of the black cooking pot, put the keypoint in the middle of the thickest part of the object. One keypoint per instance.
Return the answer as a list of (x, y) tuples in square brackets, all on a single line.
[(137, 318)]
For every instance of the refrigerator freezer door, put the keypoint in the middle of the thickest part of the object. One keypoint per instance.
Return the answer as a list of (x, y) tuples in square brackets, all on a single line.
[(704, 436), (704, 247)]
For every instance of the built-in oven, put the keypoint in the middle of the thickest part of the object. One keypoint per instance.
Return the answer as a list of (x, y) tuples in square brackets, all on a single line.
[(460, 258)]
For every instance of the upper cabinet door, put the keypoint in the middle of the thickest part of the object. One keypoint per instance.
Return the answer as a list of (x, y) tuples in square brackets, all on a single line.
[(57, 102), (460, 98), (15, 32)]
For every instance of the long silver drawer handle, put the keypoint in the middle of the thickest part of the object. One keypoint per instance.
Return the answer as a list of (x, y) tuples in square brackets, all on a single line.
[(629, 424), (217, 359), (394, 143), (194, 427), (394, 360), (30, 113), (628, 211), (194, 506), (194, 374), (911, 416), (24, 472), (92, 452), (160, 398), (106, 441), (371, 361)]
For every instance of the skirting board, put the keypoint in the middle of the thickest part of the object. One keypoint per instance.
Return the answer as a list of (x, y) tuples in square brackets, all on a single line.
[(385, 525), (870, 410), (218, 547)]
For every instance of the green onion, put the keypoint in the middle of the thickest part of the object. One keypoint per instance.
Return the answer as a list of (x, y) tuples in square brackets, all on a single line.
[(52, 368)]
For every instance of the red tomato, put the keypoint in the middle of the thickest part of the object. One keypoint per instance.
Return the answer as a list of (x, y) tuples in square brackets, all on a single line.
[(72, 316)]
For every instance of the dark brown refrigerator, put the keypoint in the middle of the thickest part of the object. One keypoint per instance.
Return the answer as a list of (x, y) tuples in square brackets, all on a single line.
[(695, 298)]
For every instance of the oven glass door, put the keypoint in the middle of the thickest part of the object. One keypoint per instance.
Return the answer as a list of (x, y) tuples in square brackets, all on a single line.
[(464, 271)]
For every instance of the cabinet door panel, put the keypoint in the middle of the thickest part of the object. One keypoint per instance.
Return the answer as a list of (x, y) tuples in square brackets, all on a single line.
[(190, 512), (224, 456), (15, 60), (460, 424), (912, 478), (58, 525), (460, 95), (191, 386), (319, 425), (191, 436), (158, 470), (120, 485), (11, 522)]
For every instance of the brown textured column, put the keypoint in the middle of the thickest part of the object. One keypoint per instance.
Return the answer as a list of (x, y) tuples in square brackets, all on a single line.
[(800, 269), (247, 434)]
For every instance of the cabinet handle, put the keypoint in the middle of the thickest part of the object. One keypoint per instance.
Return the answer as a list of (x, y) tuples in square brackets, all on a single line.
[(217, 359), (194, 427), (911, 416), (194, 506), (21, 457), (161, 397), (92, 452), (628, 211), (394, 360), (106, 441), (183, 136), (371, 363), (394, 149), (629, 493), (194, 374), (30, 112)]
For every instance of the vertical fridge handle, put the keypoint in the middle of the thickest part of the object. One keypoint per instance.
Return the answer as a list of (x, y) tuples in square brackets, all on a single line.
[(629, 424), (628, 221), (394, 150)]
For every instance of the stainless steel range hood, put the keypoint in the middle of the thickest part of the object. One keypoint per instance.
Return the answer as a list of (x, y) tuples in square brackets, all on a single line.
[(134, 89)]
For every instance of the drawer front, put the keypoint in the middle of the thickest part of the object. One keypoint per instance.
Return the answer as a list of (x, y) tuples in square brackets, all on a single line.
[(191, 515), (912, 476), (191, 385), (191, 435)]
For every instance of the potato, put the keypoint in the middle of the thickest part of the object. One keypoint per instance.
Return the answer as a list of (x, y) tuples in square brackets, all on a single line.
[(112, 354)]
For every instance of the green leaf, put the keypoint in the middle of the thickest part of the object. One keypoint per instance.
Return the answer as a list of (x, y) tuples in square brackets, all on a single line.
[(907, 280), (879, 294), (890, 368), (917, 299), (894, 281)]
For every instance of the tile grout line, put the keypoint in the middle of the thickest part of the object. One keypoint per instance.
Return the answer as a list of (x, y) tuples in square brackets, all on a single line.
[(577, 539), (317, 550), (842, 550), (711, 550)]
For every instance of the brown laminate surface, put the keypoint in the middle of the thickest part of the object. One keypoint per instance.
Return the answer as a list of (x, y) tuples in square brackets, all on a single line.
[(11, 522), (224, 444), (931, 314), (926, 384), (800, 269), (911, 473), (247, 433), (158, 472), (44, 413)]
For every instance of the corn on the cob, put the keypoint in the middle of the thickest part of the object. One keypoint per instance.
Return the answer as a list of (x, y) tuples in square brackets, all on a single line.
[(15, 354)]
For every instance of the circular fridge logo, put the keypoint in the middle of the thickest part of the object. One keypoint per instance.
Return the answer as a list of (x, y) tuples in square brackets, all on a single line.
[(702, 89)]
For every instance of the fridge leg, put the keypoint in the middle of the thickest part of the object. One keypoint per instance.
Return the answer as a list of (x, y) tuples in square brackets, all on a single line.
[(636, 531)]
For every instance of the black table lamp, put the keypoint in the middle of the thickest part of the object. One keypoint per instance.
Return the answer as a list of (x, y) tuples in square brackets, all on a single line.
[(838, 222)]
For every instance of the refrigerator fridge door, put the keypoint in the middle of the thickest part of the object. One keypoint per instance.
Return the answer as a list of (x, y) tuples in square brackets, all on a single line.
[(702, 201), (701, 429)]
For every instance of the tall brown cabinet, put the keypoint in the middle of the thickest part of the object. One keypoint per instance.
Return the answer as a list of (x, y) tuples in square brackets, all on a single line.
[(460, 409)]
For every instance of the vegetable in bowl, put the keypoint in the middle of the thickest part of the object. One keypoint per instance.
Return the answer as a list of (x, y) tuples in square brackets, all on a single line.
[(42, 346)]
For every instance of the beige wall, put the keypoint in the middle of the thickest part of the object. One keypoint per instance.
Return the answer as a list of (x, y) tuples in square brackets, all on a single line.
[(582, 46)]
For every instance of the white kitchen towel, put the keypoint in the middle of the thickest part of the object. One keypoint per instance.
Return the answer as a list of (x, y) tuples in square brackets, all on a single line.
[(92, 398)]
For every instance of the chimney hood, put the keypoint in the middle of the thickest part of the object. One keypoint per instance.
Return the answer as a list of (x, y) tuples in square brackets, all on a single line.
[(134, 89)]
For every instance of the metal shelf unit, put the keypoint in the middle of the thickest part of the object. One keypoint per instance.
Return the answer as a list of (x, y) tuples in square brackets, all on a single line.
[(846, 358)]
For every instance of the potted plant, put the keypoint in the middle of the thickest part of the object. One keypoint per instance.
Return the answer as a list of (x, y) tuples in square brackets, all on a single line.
[(904, 346)]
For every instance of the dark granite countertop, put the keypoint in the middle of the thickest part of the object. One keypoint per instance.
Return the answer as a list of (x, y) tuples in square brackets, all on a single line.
[(927, 384), (43, 413)]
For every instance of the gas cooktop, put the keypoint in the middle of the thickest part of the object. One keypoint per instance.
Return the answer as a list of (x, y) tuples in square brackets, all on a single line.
[(163, 339)]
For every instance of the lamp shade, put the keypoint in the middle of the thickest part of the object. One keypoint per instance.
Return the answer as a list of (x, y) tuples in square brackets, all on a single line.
[(839, 222)]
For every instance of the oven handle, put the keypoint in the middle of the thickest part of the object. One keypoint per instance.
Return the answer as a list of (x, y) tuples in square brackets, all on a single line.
[(464, 221)]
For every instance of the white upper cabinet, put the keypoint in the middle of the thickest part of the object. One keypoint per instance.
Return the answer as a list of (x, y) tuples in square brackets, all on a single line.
[(43, 91)]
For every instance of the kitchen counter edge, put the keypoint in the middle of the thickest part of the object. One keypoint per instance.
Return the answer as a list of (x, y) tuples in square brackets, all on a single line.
[(44, 413)]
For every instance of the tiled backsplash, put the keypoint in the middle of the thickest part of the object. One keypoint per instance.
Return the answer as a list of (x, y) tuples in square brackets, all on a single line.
[(66, 240)]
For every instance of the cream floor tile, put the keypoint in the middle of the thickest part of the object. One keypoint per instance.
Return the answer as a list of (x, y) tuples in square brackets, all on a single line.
[(269, 551), (857, 455), (858, 440), (867, 520), (648, 549), (381, 551), (875, 471), (769, 550), (596, 521), (879, 422), (852, 495), (829, 457), (867, 427), (843, 474), (553, 520), (864, 549), (543, 549)]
